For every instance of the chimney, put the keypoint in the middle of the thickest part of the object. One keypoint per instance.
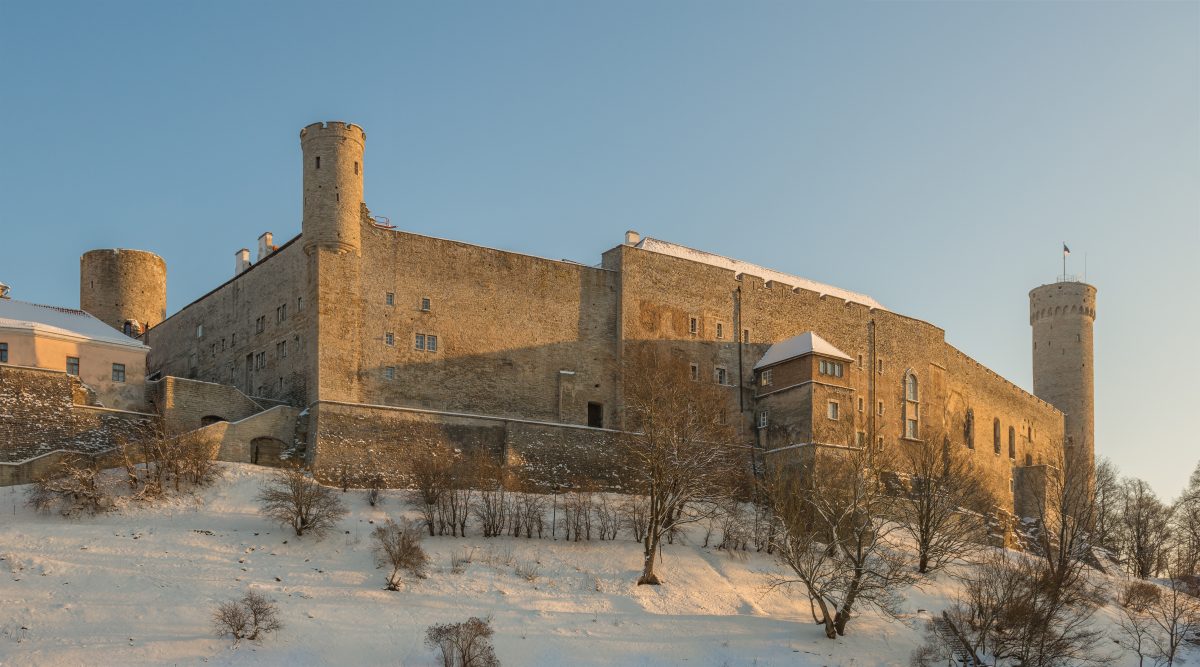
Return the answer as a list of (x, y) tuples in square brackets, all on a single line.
[(632, 237), (243, 261), (265, 247)]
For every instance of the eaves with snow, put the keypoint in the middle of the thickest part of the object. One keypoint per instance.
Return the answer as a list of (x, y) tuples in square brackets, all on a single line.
[(60, 322)]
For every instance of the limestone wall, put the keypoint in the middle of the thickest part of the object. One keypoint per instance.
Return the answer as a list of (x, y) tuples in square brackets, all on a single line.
[(387, 439), (238, 438), (120, 285), (217, 338), (186, 405), (38, 416)]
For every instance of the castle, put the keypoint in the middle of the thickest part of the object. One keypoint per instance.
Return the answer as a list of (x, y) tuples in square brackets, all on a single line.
[(359, 340)]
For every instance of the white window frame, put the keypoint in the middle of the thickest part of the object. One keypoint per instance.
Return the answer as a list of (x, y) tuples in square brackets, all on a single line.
[(426, 304), (765, 379), (720, 371), (720, 330), (389, 338), (389, 298), (764, 418), (833, 410), (693, 325)]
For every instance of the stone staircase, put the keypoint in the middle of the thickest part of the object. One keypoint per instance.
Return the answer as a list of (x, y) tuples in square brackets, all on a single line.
[(959, 649)]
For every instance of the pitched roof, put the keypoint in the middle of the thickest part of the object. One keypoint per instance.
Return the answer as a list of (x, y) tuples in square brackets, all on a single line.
[(798, 346), (60, 321), (738, 266)]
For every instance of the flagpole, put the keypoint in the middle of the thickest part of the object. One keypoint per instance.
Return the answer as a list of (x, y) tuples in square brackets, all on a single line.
[(1064, 273)]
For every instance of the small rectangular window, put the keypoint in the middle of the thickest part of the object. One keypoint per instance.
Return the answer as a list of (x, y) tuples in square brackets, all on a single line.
[(73, 366), (693, 326), (910, 428), (745, 335), (390, 298), (318, 162), (420, 341), (720, 330), (765, 379), (425, 304), (299, 303), (260, 324), (3, 353), (356, 168), (881, 407), (824, 367), (431, 343), (695, 371), (860, 405), (837, 370), (722, 375), (199, 331), (118, 373), (389, 339), (763, 419), (389, 373), (832, 411), (880, 365), (860, 361)]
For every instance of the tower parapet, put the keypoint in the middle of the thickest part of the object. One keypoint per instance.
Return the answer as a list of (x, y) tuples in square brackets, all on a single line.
[(1062, 315), (125, 289), (333, 185)]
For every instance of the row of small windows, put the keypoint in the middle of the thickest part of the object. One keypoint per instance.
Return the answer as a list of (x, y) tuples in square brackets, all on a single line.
[(118, 370), (317, 164), (260, 322), (694, 329), (831, 368), (720, 374), (426, 303), (422, 341)]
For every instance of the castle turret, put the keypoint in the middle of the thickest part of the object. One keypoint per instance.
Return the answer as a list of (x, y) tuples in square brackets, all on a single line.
[(126, 289), (332, 239), (333, 185), (1061, 315)]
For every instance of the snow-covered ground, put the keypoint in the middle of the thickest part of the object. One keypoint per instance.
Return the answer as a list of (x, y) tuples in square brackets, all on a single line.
[(137, 587)]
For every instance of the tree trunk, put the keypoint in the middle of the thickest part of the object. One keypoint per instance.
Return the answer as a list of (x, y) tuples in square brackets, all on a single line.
[(651, 548)]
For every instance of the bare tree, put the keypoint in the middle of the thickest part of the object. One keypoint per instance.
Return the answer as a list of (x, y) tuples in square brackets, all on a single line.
[(292, 498), (398, 548), (1185, 528), (1107, 493), (677, 451), (943, 503), (1145, 522), (465, 644), (1065, 512), (1177, 617), (494, 505), (73, 486), (253, 615), (834, 536), (1137, 630), (431, 481)]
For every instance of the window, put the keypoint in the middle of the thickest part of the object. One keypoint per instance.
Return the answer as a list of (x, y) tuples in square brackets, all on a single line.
[(1012, 443), (693, 326), (723, 417), (3, 353), (912, 406), (118, 373), (694, 370), (833, 368), (299, 303), (860, 438), (389, 338), (880, 365), (73, 366), (260, 324), (390, 298), (431, 343), (720, 330), (233, 339), (281, 349), (280, 313), (765, 379), (356, 168), (722, 375), (595, 414), (420, 341), (969, 429), (860, 362), (389, 373), (832, 410), (260, 360), (1029, 459), (199, 331), (880, 409), (127, 329), (996, 435), (745, 335), (426, 304), (860, 404), (318, 162), (763, 419)]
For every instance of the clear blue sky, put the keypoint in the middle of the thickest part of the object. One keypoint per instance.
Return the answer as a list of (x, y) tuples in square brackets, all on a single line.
[(932, 155)]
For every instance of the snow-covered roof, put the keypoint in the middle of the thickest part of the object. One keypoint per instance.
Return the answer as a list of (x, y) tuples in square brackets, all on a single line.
[(798, 346), (59, 321), (738, 266)]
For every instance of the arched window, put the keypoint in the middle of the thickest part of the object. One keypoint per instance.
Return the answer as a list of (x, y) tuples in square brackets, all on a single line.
[(969, 429), (996, 435), (1012, 443), (912, 407)]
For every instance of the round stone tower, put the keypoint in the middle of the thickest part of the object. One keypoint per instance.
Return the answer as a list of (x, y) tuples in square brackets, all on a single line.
[(1061, 315), (123, 287), (333, 185)]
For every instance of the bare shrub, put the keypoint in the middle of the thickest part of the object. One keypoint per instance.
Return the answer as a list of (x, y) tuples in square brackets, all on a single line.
[(454, 508), (494, 504), (529, 571), (250, 617), (465, 644), (734, 524), (375, 485), (635, 511), (459, 560), (1139, 595), (529, 514), (156, 461), (608, 517), (398, 548), (576, 520), (73, 487), (431, 482), (1176, 615), (292, 498)]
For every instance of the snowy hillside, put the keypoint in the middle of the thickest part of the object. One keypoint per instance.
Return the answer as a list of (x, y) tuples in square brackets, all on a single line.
[(138, 586)]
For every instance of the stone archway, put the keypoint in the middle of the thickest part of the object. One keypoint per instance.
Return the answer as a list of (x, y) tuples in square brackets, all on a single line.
[(266, 451)]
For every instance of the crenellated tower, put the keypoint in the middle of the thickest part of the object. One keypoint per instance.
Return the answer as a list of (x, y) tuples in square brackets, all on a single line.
[(332, 236), (125, 289), (1061, 315)]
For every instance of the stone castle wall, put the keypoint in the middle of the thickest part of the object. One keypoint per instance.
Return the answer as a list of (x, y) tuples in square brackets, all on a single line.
[(186, 405), (38, 415), (217, 337)]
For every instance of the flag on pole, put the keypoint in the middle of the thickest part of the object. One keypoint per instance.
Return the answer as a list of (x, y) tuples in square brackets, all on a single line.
[(1066, 250)]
